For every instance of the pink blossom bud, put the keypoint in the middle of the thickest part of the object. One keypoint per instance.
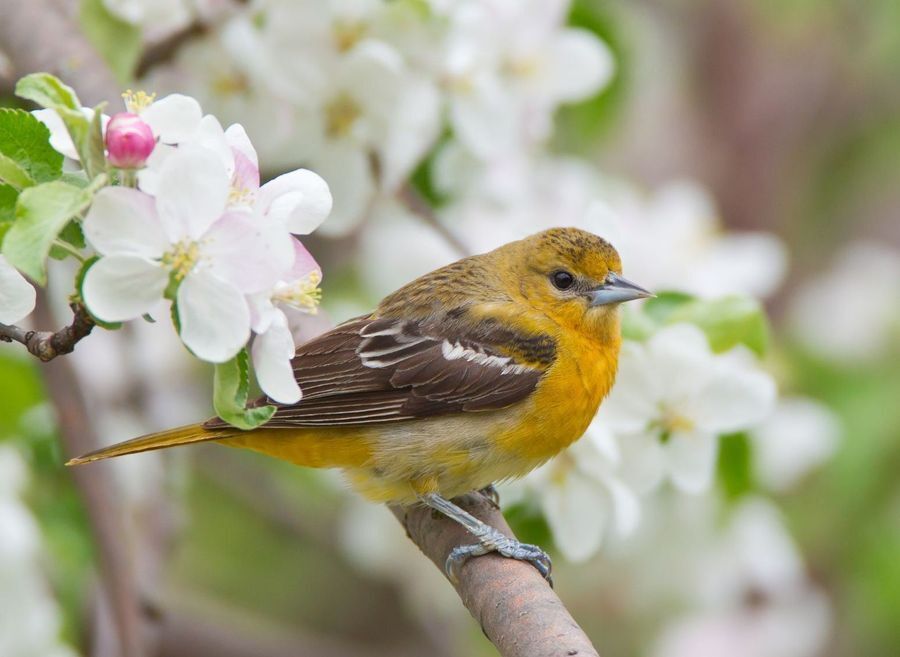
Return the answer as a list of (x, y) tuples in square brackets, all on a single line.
[(129, 141)]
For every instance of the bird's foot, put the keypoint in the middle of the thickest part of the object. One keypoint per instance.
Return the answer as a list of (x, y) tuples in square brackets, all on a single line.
[(503, 545), (491, 495)]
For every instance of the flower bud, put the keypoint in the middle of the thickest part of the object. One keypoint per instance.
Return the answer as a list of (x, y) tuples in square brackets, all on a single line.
[(129, 141)]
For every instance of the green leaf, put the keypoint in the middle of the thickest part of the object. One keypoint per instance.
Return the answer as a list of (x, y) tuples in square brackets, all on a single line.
[(727, 322), (117, 41), (735, 466), (47, 91), (26, 156), (8, 196), (12, 174), (661, 307), (41, 213), (73, 234), (20, 390), (231, 384), (93, 157)]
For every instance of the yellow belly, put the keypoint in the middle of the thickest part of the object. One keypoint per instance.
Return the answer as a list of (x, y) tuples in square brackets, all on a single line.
[(452, 454)]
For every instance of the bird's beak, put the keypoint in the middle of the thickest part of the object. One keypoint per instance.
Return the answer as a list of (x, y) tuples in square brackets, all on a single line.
[(617, 290)]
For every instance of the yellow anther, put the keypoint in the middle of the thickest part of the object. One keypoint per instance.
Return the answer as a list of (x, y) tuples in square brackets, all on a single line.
[(303, 294), (340, 115), (347, 34), (137, 101), (182, 258)]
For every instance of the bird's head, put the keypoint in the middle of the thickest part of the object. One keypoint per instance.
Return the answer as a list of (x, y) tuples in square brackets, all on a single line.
[(573, 277)]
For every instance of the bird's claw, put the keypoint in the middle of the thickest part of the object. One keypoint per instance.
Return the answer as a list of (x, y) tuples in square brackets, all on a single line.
[(505, 546)]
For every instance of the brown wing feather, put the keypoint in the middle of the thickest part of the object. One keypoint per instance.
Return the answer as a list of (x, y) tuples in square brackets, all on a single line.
[(371, 371)]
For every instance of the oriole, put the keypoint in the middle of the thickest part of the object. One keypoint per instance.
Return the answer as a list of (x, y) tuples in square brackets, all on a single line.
[(474, 373)]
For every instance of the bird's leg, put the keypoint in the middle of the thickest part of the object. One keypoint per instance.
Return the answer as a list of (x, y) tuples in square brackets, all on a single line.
[(489, 540), (491, 495)]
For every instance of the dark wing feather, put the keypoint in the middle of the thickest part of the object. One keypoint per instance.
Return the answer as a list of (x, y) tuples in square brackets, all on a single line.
[(370, 371)]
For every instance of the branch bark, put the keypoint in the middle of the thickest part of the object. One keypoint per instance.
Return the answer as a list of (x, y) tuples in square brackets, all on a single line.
[(98, 490), (412, 199), (515, 606), (47, 345)]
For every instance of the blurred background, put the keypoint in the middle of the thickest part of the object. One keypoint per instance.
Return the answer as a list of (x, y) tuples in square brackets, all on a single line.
[(723, 145)]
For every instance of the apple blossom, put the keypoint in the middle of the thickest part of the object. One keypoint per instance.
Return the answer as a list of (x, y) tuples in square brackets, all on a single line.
[(273, 347), (184, 235), (673, 398), (508, 65), (582, 496), (129, 141)]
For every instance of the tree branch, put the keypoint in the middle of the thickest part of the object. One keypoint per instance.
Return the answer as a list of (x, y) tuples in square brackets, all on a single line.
[(413, 200), (516, 608), (47, 345), (98, 490)]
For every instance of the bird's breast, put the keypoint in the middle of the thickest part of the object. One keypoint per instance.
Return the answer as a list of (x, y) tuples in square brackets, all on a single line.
[(564, 403)]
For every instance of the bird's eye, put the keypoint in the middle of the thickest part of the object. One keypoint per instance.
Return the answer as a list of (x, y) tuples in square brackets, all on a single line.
[(562, 280)]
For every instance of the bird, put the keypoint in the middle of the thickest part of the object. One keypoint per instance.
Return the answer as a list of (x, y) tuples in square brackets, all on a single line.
[(470, 375)]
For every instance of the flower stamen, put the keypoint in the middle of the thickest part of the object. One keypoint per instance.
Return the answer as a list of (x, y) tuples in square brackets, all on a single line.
[(182, 259), (340, 115), (303, 294), (137, 101)]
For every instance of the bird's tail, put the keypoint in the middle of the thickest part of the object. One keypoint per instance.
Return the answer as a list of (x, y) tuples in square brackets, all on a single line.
[(192, 433)]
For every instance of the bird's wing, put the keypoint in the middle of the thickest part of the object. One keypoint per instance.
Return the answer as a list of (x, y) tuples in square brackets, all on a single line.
[(370, 371)]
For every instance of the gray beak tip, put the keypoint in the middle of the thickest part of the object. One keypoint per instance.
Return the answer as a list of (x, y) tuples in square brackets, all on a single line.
[(617, 289)]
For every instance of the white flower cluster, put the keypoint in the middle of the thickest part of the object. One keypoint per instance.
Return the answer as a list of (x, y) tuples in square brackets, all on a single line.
[(359, 90), (30, 619), (200, 231)]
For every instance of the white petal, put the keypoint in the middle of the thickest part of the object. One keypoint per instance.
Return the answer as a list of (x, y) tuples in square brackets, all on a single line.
[(372, 72), (17, 296), (59, 136), (237, 139), (124, 221), (299, 198), (578, 66), (148, 177), (210, 135), (691, 459), (486, 119), (735, 398), (643, 461), (272, 353), (215, 319), (174, 118), (626, 507), (632, 403), (251, 253), (415, 127), (577, 511), (193, 190), (262, 311), (121, 287)]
